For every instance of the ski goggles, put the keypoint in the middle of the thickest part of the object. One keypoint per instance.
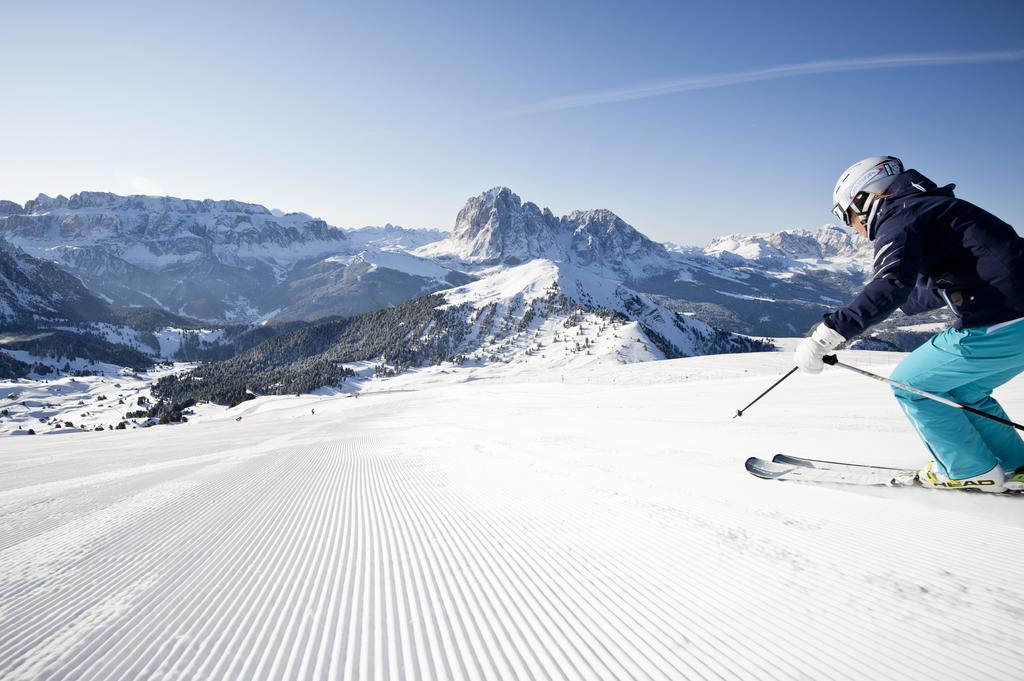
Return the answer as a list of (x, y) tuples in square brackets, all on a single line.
[(858, 204), (843, 215)]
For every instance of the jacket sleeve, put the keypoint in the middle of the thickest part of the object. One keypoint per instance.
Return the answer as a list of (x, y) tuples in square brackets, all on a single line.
[(899, 249), (922, 299)]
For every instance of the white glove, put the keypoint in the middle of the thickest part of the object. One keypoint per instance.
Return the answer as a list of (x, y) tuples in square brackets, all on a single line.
[(811, 350)]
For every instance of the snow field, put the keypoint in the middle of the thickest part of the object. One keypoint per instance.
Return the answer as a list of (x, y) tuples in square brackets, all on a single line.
[(88, 402), (506, 528)]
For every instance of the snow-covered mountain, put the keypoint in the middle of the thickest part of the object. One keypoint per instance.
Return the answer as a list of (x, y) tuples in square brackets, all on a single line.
[(537, 315), (775, 284), (228, 261), (354, 283), (541, 299), (237, 260), (828, 246), (165, 232), (515, 287), (225, 261), (33, 290), (781, 283), (497, 228)]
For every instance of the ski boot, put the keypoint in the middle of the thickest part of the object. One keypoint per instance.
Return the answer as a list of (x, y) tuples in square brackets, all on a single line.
[(1015, 480), (991, 481)]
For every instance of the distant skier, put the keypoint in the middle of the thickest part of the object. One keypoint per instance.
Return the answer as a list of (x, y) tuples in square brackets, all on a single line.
[(932, 250)]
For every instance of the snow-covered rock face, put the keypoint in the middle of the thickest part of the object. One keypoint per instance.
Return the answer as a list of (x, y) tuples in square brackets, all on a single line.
[(496, 227), (9, 208), (214, 260), (33, 290), (601, 237), (163, 232)]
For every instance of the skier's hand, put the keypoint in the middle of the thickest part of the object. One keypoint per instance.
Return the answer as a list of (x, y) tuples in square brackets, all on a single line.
[(812, 349)]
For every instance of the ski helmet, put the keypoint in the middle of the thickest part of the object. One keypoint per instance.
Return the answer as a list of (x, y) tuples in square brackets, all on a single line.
[(860, 187)]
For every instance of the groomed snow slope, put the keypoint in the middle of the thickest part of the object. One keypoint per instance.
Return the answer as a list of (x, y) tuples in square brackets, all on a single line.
[(599, 528)]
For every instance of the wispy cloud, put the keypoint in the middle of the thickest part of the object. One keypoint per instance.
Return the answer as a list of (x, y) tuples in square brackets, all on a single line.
[(668, 87)]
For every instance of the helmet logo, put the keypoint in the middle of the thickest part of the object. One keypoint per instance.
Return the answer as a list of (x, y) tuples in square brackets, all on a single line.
[(868, 177)]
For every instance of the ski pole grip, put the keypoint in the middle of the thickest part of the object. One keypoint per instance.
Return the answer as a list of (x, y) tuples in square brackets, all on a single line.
[(830, 360)]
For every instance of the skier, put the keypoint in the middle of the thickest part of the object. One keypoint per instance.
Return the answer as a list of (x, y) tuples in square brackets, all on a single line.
[(933, 249)]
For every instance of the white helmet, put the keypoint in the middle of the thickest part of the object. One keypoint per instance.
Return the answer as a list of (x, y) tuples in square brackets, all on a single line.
[(860, 186)]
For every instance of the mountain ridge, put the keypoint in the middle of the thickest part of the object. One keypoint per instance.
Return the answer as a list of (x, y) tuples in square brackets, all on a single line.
[(237, 262), (222, 261)]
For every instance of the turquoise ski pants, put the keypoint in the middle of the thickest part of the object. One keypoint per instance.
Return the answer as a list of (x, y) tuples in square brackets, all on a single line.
[(965, 366)]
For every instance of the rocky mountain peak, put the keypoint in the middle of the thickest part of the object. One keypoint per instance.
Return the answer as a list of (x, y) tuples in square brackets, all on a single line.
[(603, 238), (497, 227)]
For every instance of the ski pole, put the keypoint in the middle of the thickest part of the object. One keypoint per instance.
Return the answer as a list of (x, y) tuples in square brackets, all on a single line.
[(832, 360), (739, 412)]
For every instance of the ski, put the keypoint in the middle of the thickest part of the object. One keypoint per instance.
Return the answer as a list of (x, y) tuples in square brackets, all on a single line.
[(785, 467), (836, 465), (1012, 486), (843, 474)]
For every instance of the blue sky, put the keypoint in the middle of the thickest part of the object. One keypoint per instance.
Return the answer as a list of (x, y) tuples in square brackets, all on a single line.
[(365, 113)]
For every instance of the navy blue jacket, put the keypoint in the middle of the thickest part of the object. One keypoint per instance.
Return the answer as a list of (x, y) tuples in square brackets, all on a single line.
[(933, 249)]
